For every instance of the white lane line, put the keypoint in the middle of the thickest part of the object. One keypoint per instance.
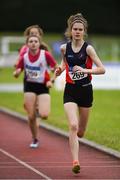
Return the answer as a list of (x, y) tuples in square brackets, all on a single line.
[(25, 164), (60, 167), (69, 163)]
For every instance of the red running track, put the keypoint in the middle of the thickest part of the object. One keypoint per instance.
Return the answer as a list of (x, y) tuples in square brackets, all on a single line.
[(52, 160)]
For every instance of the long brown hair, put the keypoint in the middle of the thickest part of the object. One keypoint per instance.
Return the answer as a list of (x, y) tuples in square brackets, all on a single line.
[(76, 18), (43, 45)]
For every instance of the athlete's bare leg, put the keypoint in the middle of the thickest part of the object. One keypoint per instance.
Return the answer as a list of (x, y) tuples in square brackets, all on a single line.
[(83, 119), (71, 111), (30, 105), (44, 105)]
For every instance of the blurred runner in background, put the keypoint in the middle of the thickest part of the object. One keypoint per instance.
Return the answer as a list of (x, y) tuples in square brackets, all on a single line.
[(35, 62)]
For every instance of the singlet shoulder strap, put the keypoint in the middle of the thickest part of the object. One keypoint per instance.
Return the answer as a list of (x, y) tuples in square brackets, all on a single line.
[(42, 55), (68, 44), (68, 47), (85, 45)]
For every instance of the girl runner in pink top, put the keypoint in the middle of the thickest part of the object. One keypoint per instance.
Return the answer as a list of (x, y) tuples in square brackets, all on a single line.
[(35, 63)]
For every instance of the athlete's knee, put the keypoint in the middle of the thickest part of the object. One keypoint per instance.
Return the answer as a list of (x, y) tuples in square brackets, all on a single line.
[(73, 127), (31, 117), (27, 108)]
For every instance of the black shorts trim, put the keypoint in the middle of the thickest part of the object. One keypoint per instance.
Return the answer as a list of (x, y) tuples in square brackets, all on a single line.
[(37, 88), (81, 95)]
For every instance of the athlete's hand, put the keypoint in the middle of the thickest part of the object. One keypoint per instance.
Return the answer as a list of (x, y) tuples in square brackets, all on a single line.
[(49, 84), (58, 71), (78, 69), (16, 73)]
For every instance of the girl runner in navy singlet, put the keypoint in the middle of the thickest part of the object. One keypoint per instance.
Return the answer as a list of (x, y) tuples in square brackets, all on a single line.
[(78, 57)]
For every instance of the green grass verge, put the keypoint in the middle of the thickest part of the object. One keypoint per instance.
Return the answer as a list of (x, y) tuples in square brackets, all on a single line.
[(6, 76)]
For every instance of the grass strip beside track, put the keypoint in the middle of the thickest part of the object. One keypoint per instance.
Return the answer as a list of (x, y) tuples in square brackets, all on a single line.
[(104, 122)]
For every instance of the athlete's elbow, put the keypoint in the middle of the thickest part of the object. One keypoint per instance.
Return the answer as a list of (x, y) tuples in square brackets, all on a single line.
[(103, 71)]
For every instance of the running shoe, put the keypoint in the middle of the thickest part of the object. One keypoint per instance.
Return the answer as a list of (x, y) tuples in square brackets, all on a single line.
[(34, 144), (76, 167)]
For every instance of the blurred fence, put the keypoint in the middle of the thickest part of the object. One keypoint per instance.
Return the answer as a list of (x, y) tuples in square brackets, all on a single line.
[(9, 46), (108, 48)]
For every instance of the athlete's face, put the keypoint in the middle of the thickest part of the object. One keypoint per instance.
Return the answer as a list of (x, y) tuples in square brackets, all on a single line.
[(34, 31), (33, 43), (77, 31)]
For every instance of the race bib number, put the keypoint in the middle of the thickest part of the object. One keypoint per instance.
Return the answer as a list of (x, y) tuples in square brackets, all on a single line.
[(32, 75), (77, 75)]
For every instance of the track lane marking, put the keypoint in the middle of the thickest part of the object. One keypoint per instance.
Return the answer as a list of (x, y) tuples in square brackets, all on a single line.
[(25, 164)]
